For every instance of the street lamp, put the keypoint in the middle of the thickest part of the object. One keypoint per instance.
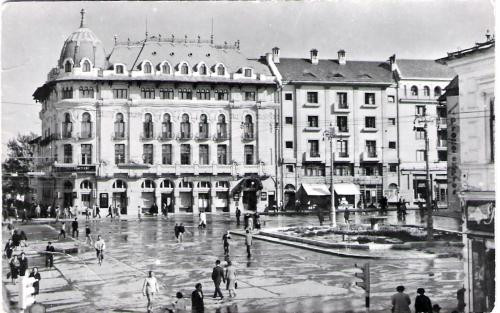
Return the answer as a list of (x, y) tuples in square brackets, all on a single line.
[(330, 134)]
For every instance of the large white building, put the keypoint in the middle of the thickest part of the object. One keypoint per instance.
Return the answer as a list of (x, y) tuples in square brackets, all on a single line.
[(185, 124)]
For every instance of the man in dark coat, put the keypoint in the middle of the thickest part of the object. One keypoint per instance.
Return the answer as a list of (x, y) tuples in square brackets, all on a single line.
[(197, 300), (23, 264), (218, 277), (238, 214), (74, 226), (49, 257), (422, 302)]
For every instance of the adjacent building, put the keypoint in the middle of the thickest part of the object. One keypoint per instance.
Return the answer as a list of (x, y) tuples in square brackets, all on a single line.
[(184, 124), (471, 104)]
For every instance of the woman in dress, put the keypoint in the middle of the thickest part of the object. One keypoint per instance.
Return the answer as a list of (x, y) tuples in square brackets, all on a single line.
[(9, 247), (231, 279), (36, 275), (14, 269), (149, 288)]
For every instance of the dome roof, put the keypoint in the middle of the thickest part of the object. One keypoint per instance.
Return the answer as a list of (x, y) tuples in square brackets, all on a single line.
[(83, 43)]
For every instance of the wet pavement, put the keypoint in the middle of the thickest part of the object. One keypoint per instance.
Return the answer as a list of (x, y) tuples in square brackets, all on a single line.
[(277, 278)]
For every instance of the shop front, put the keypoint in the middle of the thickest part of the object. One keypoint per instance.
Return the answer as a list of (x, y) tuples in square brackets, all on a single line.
[(310, 195), (348, 191)]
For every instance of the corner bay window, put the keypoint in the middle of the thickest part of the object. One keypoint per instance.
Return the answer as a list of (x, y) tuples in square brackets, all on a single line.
[(119, 153), (203, 154), (68, 153), (185, 154), (147, 153), (166, 154), (86, 154)]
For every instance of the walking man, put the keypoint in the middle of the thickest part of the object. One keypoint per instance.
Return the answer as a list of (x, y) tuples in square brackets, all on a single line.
[(23, 264), (225, 239), (87, 234), (218, 277), (74, 226), (139, 213), (62, 232), (422, 302), (110, 211), (248, 242), (400, 301), (49, 256), (181, 232), (99, 249), (149, 288), (197, 299), (38, 211), (238, 214)]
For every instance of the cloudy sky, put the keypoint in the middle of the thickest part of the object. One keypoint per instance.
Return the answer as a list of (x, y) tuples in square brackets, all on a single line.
[(33, 34)]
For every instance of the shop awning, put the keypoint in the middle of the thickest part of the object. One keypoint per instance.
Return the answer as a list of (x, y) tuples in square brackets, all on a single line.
[(316, 189), (346, 189)]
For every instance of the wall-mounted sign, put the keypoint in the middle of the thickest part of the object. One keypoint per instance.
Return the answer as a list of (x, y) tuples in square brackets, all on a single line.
[(481, 216)]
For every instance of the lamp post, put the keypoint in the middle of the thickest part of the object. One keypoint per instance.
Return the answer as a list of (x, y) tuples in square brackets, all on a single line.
[(329, 134)]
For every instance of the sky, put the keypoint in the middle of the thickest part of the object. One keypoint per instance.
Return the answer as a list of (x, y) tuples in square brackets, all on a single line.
[(33, 33)]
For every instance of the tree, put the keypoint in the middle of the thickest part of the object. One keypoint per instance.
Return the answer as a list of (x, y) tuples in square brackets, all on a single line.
[(18, 163)]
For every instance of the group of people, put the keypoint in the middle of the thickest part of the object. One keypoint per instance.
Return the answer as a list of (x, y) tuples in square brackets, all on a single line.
[(401, 302)]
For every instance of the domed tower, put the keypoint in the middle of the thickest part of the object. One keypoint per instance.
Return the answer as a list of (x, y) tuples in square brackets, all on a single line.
[(82, 45)]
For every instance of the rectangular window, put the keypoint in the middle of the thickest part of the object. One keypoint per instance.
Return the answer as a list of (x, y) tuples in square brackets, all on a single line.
[(86, 92), (342, 100), (371, 148), (342, 124), (147, 156), (419, 133), (221, 154), (248, 72), (312, 97), (203, 154), (166, 94), (120, 93), (343, 170), (203, 94), (312, 121), (442, 156), (148, 93), (68, 153), (391, 99), (249, 96), (289, 144), (166, 154), (289, 120), (420, 155), (119, 153), (249, 154), (185, 154), (343, 148), (67, 93), (392, 121), (289, 168), (393, 168), (314, 171), (419, 110), (185, 94), (86, 154), (288, 96), (313, 148), (221, 95), (370, 122), (392, 145), (369, 170), (370, 98)]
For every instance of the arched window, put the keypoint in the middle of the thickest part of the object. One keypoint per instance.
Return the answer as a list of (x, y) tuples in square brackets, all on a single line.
[(148, 183), (185, 184), (184, 69), (437, 91), (68, 185), (86, 131), (86, 184), (86, 66), (166, 127), (414, 91), (67, 126), (119, 184), (185, 127), (203, 184), (221, 71), (67, 67), (222, 184), (248, 127), (427, 91), (119, 126), (166, 184), (147, 68), (203, 127), (221, 127), (119, 69), (202, 70), (148, 126), (165, 68)]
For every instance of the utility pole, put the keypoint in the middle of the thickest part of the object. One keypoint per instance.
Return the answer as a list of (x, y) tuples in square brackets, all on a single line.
[(330, 134)]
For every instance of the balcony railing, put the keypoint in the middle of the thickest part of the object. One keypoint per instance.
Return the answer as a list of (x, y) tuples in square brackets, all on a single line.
[(369, 155), (442, 122), (220, 136), (147, 136), (118, 136), (184, 136), (66, 135), (85, 135), (165, 136), (203, 136), (247, 136)]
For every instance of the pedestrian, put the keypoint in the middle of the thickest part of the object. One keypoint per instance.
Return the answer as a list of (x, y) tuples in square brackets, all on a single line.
[(67, 213), (422, 302), (176, 231), (403, 210), (16, 239), (231, 279), (97, 211), (149, 288), (398, 209), (225, 240), (179, 305), (297, 205), (99, 249), (49, 255), (58, 213), (203, 220), (9, 248), (257, 220), (110, 211), (74, 226), (16, 214), (181, 232), (250, 222), (118, 212), (421, 210), (38, 211), (436, 308), (435, 205), (24, 216), (320, 214), (248, 242), (36, 275), (197, 305), (71, 211), (23, 264), (139, 213), (24, 238), (246, 217), (10, 227), (51, 211), (461, 299), (400, 301), (346, 215), (87, 213), (238, 214), (88, 238), (217, 278), (14, 269), (62, 232)]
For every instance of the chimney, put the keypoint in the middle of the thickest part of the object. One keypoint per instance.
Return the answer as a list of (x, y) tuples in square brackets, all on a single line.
[(392, 61), (341, 54), (314, 56), (276, 55)]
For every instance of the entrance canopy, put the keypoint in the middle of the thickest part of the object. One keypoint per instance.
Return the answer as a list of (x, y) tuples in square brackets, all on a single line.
[(316, 189), (346, 189)]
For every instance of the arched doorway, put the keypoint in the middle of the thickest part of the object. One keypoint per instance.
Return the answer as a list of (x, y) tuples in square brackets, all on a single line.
[(148, 194), (185, 196), (167, 195), (289, 197), (222, 196), (250, 188), (86, 193), (203, 188), (119, 199)]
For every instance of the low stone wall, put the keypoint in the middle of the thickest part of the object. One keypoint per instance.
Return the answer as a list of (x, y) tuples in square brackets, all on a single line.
[(318, 243)]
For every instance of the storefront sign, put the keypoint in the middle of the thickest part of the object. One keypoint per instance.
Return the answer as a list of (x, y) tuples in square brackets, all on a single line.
[(481, 216), (75, 169)]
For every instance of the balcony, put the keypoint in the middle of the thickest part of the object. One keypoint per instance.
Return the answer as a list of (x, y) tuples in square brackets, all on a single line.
[(369, 129), (341, 157), (202, 136), (369, 105), (311, 105), (220, 137), (341, 108), (369, 156), (84, 136), (247, 136), (164, 136), (64, 136), (117, 136), (312, 129), (442, 144), (312, 157), (147, 136), (342, 132), (184, 136)]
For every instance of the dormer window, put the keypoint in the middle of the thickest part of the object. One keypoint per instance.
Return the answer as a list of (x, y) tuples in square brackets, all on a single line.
[(86, 66), (119, 69), (68, 66), (221, 71), (184, 69), (248, 72), (147, 68), (165, 69)]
